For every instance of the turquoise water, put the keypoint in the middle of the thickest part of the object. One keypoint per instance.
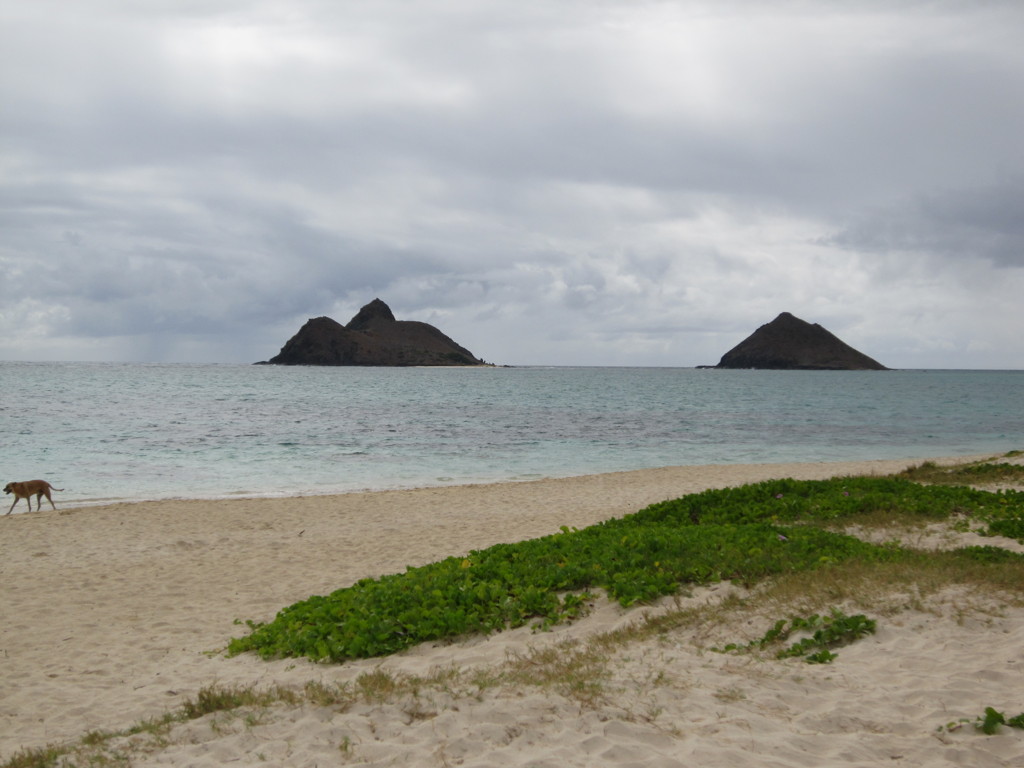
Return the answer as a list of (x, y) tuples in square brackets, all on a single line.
[(108, 431)]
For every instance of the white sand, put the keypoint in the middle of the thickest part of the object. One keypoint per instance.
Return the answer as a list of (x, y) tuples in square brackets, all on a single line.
[(114, 614)]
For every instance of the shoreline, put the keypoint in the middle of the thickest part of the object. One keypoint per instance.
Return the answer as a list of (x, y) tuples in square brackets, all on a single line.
[(242, 496), (117, 613)]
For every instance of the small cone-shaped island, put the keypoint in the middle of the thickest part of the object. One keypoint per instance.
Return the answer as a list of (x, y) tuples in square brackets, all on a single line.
[(372, 337), (789, 343)]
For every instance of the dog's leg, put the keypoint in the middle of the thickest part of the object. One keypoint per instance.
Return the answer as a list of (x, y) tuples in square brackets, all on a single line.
[(49, 499)]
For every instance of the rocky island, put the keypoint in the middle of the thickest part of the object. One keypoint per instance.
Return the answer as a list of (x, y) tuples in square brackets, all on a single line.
[(789, 343), (372, 337)]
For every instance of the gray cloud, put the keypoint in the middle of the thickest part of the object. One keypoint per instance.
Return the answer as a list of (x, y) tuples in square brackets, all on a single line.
[(552, 183), (971, 225)]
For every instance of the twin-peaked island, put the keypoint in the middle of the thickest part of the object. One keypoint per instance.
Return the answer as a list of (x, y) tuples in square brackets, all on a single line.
[(375, 337), (372, 337)]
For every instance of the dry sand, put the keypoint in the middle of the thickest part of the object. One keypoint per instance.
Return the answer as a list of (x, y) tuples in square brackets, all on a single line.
[(114, 614)]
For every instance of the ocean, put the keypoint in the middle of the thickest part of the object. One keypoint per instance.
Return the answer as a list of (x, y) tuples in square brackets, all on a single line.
[(109, 432)]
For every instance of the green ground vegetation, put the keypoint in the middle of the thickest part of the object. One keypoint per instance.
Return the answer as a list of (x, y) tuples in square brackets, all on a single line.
[(988, 723), (969, 473), (743, 534), (825, 633)]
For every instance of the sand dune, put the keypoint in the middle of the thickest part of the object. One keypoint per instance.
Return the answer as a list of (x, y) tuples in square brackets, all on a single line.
[(114, 614)]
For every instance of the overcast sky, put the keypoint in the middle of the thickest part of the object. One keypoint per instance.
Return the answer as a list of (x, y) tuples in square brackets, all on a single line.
[(567, 182)]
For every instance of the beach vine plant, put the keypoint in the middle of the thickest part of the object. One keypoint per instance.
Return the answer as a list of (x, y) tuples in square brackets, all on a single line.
[(744, 534), (988, 723), (828, 632)]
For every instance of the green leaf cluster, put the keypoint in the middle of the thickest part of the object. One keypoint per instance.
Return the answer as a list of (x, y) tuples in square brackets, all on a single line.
[(797, 501), (548, 579), (744, 534), (832, 631), (989, 723), (993, 718), (788, 501)]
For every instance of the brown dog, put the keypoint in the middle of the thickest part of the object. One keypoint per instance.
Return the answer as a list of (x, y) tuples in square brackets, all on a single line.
[(27, 490)]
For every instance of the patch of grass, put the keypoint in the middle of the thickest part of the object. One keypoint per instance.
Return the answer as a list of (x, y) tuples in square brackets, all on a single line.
[(337, 696), (986, 472), (104, 748), (893, 586), (575, 670), (215, 698), (43, 757), (730, 695), (377, 686)]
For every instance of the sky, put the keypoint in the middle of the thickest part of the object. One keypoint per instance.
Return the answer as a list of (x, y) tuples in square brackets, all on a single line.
[(549, 182)]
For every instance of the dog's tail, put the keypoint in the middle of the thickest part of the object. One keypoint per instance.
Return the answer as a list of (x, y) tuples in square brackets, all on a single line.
[(55, 489)]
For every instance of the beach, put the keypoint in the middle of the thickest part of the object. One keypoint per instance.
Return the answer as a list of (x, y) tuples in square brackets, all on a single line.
[(114, 614)]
